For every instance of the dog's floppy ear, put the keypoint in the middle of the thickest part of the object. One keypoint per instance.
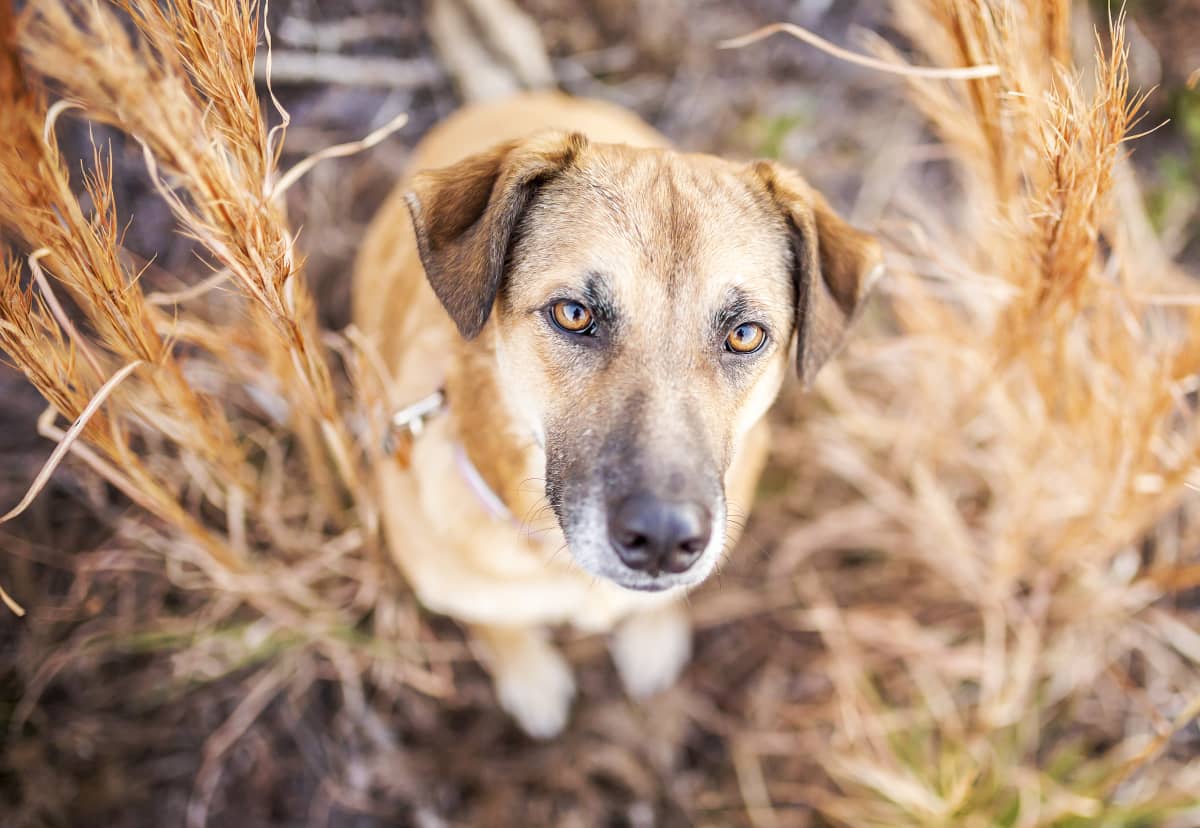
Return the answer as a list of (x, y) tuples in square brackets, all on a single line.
[(464, 216), (834, 264)]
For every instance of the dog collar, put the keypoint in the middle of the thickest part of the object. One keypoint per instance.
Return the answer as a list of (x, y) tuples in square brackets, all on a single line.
[(409, 422), (490, 501)]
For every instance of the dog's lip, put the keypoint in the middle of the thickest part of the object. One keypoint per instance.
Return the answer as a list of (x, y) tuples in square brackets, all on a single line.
[(647, 587), (646, 584), (638, 581)]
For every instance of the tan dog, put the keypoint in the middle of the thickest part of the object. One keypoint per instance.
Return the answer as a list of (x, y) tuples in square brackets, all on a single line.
[(610, 320)]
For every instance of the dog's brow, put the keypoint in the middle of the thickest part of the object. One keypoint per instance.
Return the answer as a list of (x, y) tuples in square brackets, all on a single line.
[(599, 297), (736, 307)]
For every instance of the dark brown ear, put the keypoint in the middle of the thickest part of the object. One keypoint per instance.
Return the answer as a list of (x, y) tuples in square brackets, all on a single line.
[(464, 216), (835, 267)]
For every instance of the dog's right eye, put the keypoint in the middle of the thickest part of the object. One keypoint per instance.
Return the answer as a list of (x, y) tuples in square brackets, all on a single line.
[(572, 317), (746, 338)]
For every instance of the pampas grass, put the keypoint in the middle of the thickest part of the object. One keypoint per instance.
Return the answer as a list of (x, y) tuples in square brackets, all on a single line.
[(1024, 437), (983, 519), (229, 434)]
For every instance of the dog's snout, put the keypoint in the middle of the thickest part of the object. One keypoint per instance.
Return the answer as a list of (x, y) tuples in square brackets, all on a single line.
[(654, 536)]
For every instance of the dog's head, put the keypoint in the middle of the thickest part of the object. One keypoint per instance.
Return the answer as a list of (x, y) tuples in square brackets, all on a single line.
[(642, 307)]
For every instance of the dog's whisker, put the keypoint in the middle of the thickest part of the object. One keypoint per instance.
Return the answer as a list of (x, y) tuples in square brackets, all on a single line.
[(539, 482), (534, 512), (554, 555)]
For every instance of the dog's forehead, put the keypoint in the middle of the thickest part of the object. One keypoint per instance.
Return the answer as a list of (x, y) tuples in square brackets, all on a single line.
[(656, 218)]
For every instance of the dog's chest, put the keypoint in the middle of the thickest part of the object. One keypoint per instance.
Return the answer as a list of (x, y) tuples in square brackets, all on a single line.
[(464, 560)]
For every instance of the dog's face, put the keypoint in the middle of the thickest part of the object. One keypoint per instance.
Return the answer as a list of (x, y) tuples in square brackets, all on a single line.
[(643, 307)]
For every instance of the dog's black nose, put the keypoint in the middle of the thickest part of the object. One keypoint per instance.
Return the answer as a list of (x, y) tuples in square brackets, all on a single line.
[(653, 535)]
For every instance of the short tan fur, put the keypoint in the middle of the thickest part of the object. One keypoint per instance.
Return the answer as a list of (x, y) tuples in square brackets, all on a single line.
[(625, 449)]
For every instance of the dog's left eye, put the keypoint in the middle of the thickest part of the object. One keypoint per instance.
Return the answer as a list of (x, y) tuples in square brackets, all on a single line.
[(746, 338), (572, 317)]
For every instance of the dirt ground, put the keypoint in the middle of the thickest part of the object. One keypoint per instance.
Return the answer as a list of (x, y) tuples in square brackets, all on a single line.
[(110, 736)]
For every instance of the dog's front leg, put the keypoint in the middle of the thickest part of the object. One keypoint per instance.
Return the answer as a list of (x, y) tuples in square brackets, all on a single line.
[(533, 681), (650, 649)]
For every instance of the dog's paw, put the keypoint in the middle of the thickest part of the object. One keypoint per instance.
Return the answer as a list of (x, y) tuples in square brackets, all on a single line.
[(651, 648), (536, 689)]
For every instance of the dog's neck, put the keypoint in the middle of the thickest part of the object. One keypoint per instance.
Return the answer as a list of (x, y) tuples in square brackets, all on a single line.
[(494, 440)]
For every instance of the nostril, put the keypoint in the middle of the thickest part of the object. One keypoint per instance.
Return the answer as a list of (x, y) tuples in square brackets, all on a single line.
[(685, 553), (633, 540)]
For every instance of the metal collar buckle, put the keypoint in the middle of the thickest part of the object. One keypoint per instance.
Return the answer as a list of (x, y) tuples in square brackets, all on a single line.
[(408, 423)]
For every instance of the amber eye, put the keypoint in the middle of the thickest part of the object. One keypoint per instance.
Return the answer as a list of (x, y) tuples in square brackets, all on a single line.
[(572, 317), (746, 338)]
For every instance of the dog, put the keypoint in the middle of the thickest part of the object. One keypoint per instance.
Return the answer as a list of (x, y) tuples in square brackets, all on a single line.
[(609, 321)]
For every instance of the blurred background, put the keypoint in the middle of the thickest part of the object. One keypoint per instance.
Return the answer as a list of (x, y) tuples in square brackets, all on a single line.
[(884, 648)]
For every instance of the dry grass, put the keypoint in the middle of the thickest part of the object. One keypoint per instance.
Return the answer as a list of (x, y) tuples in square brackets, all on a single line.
[(229, 433), (980, 604), (1024, 438)]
